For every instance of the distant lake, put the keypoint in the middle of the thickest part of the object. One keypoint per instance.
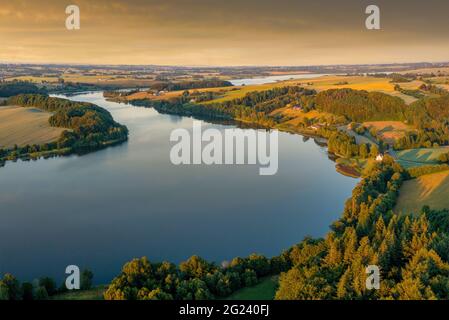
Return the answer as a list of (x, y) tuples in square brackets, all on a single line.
[(102, 209), (272, 79)]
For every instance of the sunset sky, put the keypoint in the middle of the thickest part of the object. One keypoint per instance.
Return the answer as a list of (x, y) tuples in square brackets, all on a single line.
[(231, 32)]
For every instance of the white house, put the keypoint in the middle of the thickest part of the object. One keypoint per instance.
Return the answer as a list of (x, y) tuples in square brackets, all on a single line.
[(380, 157)]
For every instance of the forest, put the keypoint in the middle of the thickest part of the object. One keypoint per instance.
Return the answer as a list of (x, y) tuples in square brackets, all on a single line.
[(194, 279), (360, 106), (412, 251), (431, 117)]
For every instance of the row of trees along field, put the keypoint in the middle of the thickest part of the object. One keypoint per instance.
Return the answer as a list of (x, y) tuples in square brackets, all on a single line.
[(90, 126)]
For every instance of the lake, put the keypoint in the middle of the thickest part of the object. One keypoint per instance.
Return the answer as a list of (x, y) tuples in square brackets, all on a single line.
[(271, 79), (102, 209)]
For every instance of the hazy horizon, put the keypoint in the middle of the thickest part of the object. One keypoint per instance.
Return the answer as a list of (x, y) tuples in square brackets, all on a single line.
[(219, 66), (220, 34)]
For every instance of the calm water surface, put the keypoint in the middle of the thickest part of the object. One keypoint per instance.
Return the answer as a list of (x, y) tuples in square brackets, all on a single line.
[(105, 208), (271, 79)]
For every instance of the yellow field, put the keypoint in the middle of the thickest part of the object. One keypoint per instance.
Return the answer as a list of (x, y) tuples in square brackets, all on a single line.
[(431, 190), (353, 82), (297, 116), (390, 131), (24, 126)]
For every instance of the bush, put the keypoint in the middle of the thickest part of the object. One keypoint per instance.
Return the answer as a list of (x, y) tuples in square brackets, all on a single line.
[(49, 284), (41, 293), (86, 279)]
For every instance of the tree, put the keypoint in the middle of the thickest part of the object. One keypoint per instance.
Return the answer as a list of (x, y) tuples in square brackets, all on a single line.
[(249, 278), (444, 158), (49, 284), (27, 291), (10, 288), (195, 267), (86, 279), (374, 151), (364, 151), (41, 293)]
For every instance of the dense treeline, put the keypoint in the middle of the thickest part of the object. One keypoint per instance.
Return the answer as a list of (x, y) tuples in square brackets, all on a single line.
[(411, 251), (431, 117), (40, 289), (254, 106), (194, 279), (342, 144), (360, 106), (12, 88), (90, 127), (416, 172), (410, 92), (186, 85)]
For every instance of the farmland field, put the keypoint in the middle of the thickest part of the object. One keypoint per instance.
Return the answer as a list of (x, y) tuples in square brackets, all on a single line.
[(24, 126), (423, 156), (428, 190)]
